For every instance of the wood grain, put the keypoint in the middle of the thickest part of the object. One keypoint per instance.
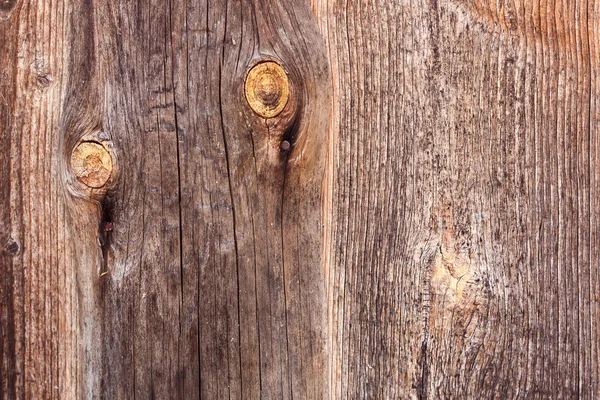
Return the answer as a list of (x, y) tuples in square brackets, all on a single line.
[(38, 298), (464, 234), (420, 220), (194, 269)]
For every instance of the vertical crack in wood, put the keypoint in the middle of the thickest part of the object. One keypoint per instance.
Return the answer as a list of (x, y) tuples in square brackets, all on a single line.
[(105, 227), (229, 177), (181, 387)]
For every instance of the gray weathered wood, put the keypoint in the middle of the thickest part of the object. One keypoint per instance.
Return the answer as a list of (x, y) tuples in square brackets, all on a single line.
[(196, 270), (465, 211), (432, 231)]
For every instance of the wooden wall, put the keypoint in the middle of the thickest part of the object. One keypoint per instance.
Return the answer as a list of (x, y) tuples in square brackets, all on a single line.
[(421, 220)]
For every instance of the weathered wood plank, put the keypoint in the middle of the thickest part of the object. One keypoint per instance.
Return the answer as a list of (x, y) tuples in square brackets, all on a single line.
[(196, 269), (213, 279), (464, 234), (38, 301), (11, 280)]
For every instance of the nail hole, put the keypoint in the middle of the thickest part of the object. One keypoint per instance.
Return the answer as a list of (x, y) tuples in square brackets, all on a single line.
[(285, 146)]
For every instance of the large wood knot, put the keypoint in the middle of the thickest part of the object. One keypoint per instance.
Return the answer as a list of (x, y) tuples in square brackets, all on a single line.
[(267, 89), (92, 164)]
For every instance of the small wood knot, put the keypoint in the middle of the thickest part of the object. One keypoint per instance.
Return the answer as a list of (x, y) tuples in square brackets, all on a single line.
[(12, 248), (6, 5), (92, 164), (44, 81), (267, 89)]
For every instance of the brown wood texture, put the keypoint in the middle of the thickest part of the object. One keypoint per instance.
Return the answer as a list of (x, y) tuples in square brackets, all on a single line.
[(196, 270), (464, 236), (422, 220)]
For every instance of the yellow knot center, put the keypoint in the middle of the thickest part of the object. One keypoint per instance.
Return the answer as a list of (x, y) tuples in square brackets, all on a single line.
[(92, 164), (267, 89)]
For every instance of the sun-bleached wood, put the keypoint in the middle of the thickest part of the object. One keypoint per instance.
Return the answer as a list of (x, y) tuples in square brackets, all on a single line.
[(418, 218), (464, 240)]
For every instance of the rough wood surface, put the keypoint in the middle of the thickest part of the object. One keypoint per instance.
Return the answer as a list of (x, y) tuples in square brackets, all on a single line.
[(182, 259), (420, 220), (465, 212)]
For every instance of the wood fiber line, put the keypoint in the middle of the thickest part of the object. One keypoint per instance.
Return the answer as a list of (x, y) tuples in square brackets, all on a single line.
[(465, 203)]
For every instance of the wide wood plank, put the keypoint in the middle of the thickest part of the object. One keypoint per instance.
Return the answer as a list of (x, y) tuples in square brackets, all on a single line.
[(464, 234), (192, 266)]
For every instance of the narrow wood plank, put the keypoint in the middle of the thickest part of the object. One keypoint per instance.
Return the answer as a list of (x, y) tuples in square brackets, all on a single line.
[(38, 298), (11, 301)]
